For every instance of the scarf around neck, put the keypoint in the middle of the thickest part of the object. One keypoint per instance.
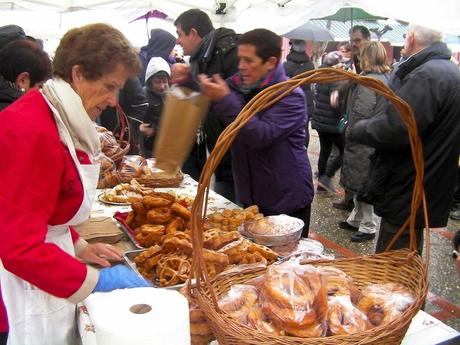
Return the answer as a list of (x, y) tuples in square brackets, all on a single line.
[(74, 116)]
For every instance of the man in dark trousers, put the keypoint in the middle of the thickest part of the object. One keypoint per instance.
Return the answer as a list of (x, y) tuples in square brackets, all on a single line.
[(212, 51), (430, 83)]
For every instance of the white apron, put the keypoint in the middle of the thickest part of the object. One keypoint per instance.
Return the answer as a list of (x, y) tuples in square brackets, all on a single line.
[(36, 317)]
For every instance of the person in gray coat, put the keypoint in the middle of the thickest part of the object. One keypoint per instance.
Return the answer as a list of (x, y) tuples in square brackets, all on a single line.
[(362, 103)]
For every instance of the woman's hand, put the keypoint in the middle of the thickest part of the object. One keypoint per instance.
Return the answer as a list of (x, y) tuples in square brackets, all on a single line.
[(100, 253), (214, 87), (146, 129)]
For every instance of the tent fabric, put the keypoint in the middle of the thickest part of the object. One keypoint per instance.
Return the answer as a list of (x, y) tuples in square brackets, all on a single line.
[(54, 17)]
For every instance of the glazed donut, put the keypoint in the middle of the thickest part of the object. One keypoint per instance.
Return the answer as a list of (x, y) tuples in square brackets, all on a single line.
[(344, 318), (154, 201), (181, 211), (159, 215)]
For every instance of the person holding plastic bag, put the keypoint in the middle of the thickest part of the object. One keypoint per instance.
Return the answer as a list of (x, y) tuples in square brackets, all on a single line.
[(47, 142)]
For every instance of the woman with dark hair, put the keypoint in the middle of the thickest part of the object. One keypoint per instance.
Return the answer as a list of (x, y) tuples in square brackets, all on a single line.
[(48, 140), (23, 65), (269, 158)]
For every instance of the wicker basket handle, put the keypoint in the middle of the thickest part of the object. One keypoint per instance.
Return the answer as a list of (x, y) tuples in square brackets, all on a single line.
[(264, 100), (125, 131)]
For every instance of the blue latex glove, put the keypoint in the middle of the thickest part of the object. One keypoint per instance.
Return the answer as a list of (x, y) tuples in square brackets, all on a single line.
[(118, 277)]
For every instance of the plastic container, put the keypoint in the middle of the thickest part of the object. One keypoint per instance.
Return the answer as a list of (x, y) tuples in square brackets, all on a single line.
[(273, 230)]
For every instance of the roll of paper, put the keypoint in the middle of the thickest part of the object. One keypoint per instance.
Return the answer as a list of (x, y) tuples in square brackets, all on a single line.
[(140, 316)]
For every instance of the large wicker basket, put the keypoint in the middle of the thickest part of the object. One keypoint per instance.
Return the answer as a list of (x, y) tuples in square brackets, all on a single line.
[(401, 266)]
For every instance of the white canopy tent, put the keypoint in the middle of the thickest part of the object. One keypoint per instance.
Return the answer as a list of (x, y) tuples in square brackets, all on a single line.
[(51, 18)]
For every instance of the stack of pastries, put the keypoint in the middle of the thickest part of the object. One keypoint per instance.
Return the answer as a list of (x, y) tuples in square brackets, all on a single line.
[(162, 224)]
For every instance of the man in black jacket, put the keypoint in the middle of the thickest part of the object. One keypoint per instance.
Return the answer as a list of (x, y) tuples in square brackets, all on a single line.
[(211, 51), (430, 83)]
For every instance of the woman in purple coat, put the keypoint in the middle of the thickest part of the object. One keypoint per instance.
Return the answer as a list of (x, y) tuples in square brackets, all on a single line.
[(269, 158)]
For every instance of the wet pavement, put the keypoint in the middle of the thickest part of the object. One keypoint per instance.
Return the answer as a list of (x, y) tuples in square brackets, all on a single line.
[(443, 301)]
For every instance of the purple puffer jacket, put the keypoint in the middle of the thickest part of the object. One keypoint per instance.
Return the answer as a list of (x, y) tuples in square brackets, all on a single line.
[(270, 163)]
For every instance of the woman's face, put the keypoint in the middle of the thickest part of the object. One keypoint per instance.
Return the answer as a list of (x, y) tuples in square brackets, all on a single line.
[(251, 66), (99, 94)]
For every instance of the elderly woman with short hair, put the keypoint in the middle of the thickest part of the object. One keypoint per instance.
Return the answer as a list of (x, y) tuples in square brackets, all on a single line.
[(48, 142)]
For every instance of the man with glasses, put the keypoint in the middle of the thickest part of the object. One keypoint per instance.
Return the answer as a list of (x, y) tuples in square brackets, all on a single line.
[(358, 35), (430, 83)]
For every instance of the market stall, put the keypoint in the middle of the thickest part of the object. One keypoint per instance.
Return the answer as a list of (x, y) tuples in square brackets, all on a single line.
[(424, 328)]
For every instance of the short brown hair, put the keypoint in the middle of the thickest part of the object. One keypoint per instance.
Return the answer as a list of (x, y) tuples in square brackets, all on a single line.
[(98, 49), (373, 58)]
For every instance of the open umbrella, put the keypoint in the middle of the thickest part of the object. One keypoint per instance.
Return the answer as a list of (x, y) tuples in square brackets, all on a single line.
[(152, 14), (309, 32), (348, 14)]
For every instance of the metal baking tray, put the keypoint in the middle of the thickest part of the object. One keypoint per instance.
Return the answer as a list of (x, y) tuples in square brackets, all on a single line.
[(129, 259)]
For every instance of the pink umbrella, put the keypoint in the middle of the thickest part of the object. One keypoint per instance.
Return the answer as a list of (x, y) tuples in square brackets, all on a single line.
[(152, 14)]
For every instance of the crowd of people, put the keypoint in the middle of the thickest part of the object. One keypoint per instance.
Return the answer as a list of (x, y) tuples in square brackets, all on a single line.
[(54, 104)]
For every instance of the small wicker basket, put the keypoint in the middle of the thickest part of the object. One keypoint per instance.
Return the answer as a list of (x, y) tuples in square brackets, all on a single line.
[(399, 266)]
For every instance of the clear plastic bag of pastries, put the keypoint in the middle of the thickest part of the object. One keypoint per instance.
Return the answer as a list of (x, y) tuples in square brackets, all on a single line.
[(294, 299), (131, 167), (108, 175)]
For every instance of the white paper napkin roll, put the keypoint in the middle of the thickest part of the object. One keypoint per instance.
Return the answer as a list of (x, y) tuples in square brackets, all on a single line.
[(140, 316)]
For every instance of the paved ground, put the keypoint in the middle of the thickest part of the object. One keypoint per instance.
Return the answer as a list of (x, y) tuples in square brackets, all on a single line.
[(443, 301)]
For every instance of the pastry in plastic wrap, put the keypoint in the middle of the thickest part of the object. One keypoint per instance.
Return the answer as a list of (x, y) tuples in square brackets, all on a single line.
[(294, 298), (340, 284), (383, 303), (344, 318), (131, 167), (108, 176), (242, 303), (109, 145)]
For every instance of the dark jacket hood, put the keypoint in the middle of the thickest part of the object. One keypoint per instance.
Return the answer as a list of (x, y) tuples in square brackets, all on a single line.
[(297, 57), (161, 43), (9, 33)]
